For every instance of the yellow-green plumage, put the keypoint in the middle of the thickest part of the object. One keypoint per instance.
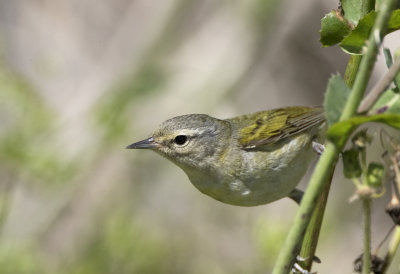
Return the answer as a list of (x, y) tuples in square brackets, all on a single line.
[(247, 160), (269, 126)]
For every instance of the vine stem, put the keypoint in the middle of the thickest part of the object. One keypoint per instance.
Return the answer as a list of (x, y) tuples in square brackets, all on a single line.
[(317, 184), (352, 69), (395, 240), (320, 177), (366, 265), (380, 87), (367, 62), (393, 246)]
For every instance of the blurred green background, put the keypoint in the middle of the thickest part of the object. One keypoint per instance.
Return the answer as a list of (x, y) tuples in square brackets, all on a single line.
[(80, 80)]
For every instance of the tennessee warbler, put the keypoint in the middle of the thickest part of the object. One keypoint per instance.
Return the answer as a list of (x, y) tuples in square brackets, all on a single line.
[(248, 160)]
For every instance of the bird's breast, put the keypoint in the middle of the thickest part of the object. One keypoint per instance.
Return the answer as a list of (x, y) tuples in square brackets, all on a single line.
[(257, 176)]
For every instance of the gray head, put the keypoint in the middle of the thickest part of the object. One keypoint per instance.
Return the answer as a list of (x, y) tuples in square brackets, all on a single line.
[(188, 140)]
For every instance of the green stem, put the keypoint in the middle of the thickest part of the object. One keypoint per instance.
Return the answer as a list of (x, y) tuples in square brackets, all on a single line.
[(393, 245), (380, 87), (367, 6), (366, 265), (312, 234), (325, 166), (367, 62), (352, 69), (317, 184)]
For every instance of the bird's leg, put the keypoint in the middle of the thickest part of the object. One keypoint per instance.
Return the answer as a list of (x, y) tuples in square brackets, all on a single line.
[(318, 148), (296, 195)]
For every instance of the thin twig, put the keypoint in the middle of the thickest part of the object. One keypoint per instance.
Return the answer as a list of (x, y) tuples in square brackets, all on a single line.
[(366, 265), (393, 246), (396, 169), (380, 87)]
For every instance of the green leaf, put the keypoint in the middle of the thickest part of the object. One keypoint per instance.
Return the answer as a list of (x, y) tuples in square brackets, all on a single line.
[(352, 10), (333, 29), (335, 98), (351, 163), (375, 174), (394, 21), (355, 41), (339, 132), (389, 101)]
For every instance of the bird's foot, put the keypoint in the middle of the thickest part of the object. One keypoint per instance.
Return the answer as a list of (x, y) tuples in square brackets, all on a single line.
[(296, 195), (318, 148), (298, 269)]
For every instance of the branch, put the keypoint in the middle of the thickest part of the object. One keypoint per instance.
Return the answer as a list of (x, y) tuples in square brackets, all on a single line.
[(327, 162), (367, 62), (393, 245), (366, 262), (380, 87)]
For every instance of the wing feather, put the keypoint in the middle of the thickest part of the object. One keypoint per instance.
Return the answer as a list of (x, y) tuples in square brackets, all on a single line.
[(268, 127)]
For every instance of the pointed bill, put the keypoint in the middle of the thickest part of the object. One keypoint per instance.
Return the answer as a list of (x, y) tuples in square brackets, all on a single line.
[(146, 143)]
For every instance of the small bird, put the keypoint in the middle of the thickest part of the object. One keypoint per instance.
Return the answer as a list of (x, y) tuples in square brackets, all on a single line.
[(248, 160)]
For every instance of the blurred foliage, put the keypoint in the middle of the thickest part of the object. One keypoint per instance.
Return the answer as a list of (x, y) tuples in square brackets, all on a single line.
[(24, 132), (269, 239), (122, 246), (112, 112), (21, 260)]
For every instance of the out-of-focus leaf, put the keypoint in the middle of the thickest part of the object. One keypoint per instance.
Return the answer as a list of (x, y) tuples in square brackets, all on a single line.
[(394, 21), (355, 41), (375, 174), (339, 132), (333, 29), (351, 163), (352, 10), (389, 102), (335, 98)]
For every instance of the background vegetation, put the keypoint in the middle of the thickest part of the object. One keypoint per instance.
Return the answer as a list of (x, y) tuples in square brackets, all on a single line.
[(80, 80)]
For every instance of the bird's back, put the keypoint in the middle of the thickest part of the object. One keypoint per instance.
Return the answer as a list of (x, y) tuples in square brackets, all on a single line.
[(270, 126)]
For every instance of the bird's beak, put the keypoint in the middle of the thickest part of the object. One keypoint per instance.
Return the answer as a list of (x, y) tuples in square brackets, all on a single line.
[(146, 143)]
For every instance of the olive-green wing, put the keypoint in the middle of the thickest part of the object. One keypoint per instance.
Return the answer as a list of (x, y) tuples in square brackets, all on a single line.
[(268, 127)]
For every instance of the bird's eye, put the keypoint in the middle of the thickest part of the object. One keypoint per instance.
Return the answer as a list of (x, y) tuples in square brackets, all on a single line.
[(180, 140)]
